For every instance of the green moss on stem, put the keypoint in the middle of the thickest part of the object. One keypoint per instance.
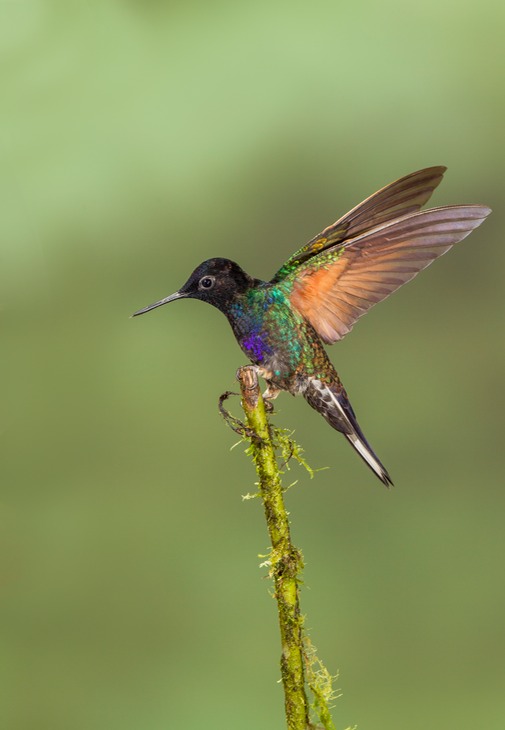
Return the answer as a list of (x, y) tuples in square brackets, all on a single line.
[(300, 666)]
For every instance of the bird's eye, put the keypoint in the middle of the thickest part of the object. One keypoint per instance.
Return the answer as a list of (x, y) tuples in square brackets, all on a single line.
[(207, 282)]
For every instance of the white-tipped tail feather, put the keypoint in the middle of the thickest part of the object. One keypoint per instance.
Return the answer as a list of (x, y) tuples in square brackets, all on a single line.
[(366, 453), (331, 401)]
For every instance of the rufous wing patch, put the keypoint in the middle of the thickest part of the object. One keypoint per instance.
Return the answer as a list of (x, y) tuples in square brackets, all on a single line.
[(367, 269)]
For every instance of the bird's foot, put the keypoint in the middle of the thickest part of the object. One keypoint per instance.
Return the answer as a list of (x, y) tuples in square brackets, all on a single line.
[(269, 395), (269, 407), (238, 374)]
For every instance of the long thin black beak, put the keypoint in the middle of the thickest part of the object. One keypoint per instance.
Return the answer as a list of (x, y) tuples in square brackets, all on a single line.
[(171, 298)]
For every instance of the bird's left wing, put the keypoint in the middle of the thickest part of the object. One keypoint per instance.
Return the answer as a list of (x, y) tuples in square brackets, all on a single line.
[(406, 195), (340, 284)]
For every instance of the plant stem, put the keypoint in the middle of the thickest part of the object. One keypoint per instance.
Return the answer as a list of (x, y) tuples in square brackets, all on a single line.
[(286, 561)]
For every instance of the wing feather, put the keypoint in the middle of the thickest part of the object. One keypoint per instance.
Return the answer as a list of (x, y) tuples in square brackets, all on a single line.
[(404, 196), (340, 284)]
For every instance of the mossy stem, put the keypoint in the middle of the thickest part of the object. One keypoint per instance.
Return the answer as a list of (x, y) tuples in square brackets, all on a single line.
[(285, 560)]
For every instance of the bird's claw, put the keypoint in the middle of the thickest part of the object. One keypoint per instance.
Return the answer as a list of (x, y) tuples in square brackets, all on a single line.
[(269, 395), (269, 406)]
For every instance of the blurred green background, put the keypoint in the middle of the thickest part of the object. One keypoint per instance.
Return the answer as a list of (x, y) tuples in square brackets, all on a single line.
[(137, 139)]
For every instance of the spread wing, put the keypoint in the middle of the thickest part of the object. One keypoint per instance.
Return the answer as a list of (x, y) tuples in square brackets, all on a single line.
[(406, 195), (337, 286)]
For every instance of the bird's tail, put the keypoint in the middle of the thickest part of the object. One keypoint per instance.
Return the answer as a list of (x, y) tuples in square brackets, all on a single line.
[(331, 401)]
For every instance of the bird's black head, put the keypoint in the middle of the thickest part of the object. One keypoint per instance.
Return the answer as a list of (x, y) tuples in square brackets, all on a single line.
[(216, 281)]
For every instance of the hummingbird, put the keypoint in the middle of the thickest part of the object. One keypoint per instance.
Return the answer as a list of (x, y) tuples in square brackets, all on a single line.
[(321, 291)]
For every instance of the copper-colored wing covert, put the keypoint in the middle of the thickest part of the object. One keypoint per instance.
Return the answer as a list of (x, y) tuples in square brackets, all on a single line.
[(339, 285), (406, 195)]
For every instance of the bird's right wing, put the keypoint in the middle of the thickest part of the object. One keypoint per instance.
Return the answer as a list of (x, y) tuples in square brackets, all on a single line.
[(339, 285)]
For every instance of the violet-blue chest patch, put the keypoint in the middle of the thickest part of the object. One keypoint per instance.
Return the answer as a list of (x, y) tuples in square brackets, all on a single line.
[(256, 347)]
